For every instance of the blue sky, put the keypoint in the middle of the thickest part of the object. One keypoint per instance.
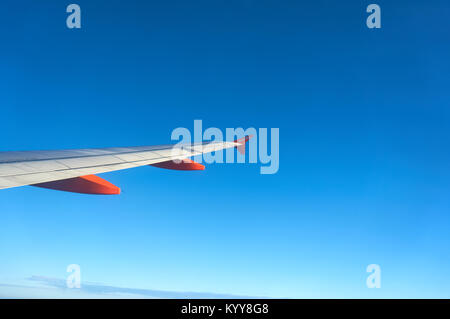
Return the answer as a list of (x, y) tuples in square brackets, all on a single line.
[(364, 132)]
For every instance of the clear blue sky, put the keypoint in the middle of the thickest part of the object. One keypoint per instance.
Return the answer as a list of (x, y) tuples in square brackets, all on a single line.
[(364, 145)]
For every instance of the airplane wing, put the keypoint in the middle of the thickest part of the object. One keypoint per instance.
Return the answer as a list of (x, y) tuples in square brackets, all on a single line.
[(74, 170)]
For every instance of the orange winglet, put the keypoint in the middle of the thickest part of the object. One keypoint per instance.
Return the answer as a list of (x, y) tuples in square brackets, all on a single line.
[(88, 184), (243, 141), (183, 165)]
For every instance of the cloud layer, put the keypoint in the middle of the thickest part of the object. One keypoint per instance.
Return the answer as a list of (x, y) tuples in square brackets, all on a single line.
[(46, 287)]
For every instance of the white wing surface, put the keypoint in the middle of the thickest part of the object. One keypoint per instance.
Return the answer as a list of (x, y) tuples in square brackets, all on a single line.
[(73, 170)]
